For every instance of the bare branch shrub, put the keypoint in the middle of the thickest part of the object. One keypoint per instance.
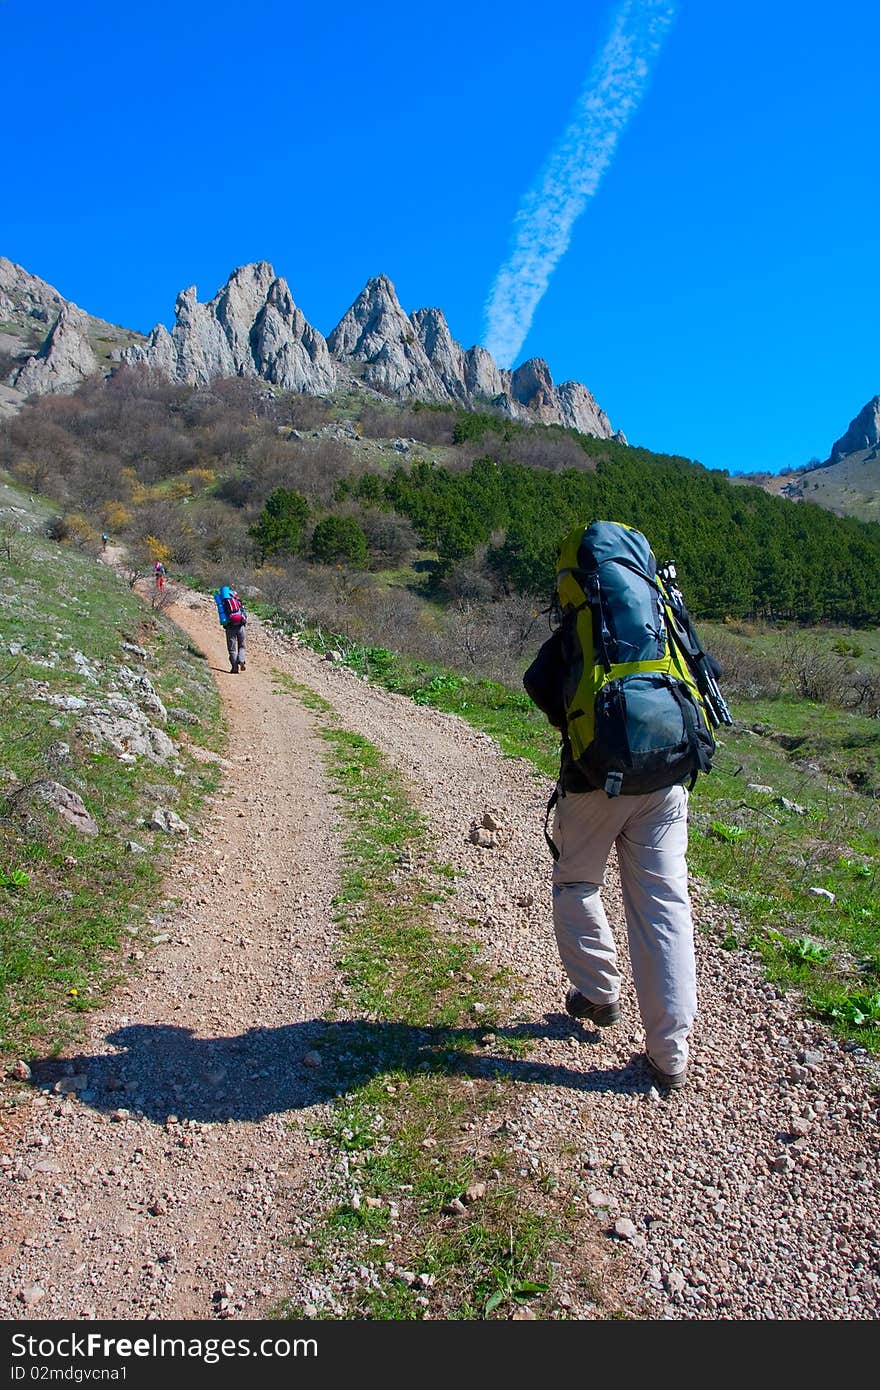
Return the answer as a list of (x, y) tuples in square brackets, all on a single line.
[(272, 461), (11, 530), (402, 622), (239, 490), (391, 537), (94, 479), (224, 444), (539, 449), (468, 581), (215, 533), (38, 451), (304, 412), (494, 637), (468, 635), (319, 466), (747, 672), (277, 587), (241, 397), (522, 624), (866, 693), (73, 529), (377, 422), (157, 517), (163, 599), (428, 426), (461, 457), (823, 677)]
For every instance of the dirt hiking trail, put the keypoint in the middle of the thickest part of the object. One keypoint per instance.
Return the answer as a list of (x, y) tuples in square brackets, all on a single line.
[(171, 1170)]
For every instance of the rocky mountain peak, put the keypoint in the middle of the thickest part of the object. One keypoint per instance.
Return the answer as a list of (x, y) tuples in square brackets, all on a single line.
[(374, 319), (251, 327), (38, 316), (24, 296), (381, 285), (863, 432), (64, 360), (432, 329), (415, 355), (531, 383), (54, 345)]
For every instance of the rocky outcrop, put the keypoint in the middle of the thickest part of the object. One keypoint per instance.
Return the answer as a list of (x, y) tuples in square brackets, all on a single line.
[(532, 386), (415, 355), (377, 333), (67, 804), (120, 726), (447, 360), (48, 338), (24, 296), (64, 360), (581, 412), (250, 328), (482, 377), (863, 433)]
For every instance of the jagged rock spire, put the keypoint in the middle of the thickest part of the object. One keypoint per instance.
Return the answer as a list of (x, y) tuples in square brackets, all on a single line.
[(250, 328), (415, 355), (65, 357), (863, 432)]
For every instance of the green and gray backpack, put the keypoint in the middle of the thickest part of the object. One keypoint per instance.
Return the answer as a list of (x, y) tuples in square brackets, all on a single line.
[(638, 714)]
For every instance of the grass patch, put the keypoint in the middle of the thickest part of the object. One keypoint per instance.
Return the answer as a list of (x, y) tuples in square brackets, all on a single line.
[(72, 904), (410, 1165), (798, 864), (433, 1213)]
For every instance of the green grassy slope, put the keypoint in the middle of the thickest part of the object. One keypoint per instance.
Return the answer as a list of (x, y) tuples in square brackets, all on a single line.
[(75, 907)]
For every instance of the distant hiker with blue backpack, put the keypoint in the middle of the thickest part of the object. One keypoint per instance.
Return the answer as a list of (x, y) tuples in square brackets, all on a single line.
[(624, 679), (233, 620)]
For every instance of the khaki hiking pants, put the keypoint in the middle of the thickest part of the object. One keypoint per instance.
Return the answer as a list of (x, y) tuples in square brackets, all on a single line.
[(650, 835)]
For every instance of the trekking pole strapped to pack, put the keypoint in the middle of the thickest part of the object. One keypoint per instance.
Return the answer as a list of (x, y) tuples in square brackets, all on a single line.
[(682, 631)]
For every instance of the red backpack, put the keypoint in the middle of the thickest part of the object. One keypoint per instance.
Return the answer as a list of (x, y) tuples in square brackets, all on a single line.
[(234, 611)]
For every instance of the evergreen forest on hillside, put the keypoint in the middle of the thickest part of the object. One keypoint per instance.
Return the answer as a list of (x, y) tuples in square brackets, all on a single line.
[(299, 494)]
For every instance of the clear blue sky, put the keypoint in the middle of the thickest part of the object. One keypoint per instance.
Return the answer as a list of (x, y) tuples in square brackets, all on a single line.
[(719, 290)]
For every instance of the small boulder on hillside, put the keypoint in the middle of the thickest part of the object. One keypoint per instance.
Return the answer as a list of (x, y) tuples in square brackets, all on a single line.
[(67, 804), (167, 822)]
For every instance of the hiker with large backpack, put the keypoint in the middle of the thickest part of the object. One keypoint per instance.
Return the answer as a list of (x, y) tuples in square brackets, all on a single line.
[(233, 620), (625, 680)]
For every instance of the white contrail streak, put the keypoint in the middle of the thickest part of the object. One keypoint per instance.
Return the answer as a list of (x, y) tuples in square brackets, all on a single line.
[(571, 175)]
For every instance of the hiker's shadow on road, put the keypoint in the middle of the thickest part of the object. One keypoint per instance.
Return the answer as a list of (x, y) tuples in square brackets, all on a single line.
[(160, 1070)]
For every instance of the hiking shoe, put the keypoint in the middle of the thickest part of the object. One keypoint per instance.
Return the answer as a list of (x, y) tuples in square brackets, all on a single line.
[(579, 1006), (233, 670), (668, 1080), (242, 665)]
